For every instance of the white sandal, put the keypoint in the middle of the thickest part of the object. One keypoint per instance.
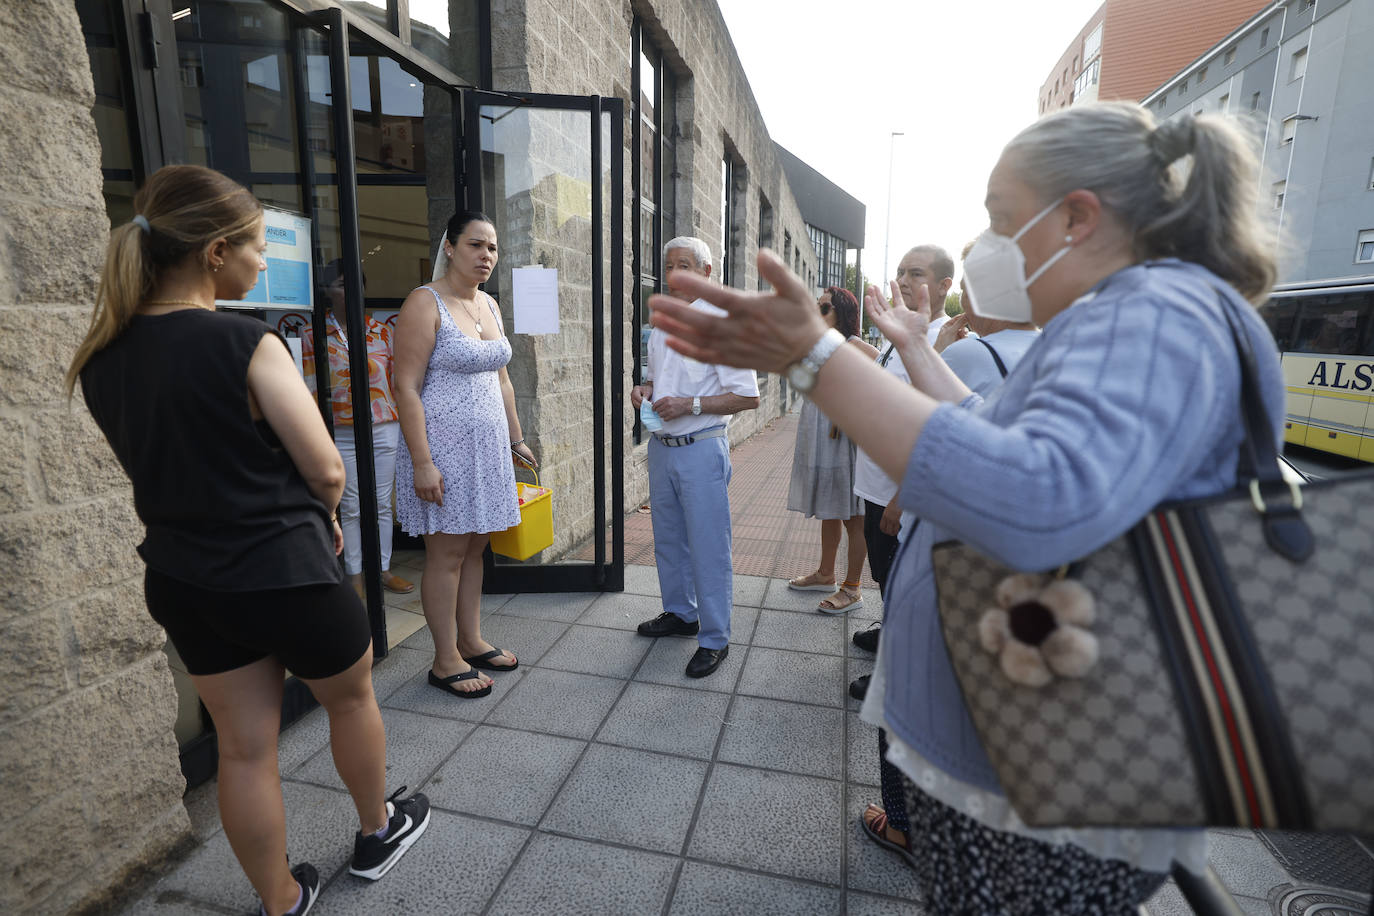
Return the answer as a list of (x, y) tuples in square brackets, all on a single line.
[(810, 583), (837, 603)]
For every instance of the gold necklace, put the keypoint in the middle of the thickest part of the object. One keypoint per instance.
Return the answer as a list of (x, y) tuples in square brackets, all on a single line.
[(192, 302)]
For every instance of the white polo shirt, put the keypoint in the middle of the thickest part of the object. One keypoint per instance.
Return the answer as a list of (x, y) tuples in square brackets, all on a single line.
[(870, 482), (677, 376), (933, 332)]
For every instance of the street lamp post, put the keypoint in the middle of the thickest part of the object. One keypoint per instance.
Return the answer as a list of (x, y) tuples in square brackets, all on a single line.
[(887, 230)]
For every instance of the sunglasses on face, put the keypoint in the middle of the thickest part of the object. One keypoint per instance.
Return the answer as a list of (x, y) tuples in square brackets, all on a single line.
[(825, 309)]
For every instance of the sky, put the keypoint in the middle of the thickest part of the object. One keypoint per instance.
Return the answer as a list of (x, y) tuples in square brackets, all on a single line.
[(834, 80)]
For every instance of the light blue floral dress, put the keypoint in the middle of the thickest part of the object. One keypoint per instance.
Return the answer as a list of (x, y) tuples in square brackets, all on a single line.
[(469, 439)]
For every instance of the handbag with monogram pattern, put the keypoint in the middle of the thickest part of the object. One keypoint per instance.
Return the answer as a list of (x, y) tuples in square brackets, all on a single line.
[(1227, 674)]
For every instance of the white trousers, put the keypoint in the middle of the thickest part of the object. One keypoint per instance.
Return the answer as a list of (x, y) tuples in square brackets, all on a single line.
[(384, 439)]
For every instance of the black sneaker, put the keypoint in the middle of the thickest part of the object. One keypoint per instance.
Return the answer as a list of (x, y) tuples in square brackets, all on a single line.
[(407, 819), (309, 880), (668, 624), (868, 639)]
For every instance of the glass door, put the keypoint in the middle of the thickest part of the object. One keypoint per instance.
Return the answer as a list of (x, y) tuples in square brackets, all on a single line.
[(548, 170), (395, 144)]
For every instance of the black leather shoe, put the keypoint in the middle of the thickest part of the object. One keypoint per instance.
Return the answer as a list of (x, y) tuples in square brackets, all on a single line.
[(668, 624), (705, 660), (858, 688), (868, 639)]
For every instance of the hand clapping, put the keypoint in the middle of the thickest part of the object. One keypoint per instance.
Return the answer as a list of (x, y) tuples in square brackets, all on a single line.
[(954, 329), (901, 325), (767, 331)]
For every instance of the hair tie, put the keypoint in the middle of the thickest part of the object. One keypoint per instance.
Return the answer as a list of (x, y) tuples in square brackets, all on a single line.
[(141, 222), (1173, 140)]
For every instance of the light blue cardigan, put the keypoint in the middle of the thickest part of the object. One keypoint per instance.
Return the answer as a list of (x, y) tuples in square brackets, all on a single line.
[(1129, 398)]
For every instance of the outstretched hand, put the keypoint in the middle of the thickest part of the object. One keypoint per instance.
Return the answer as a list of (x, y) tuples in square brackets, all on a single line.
[(766, 331), (901, 325)]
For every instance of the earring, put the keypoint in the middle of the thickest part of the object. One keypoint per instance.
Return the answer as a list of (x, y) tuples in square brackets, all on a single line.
[(1068, 240), (217, 267)]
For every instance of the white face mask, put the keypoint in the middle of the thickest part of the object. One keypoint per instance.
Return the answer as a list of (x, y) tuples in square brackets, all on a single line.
[(995, 273)]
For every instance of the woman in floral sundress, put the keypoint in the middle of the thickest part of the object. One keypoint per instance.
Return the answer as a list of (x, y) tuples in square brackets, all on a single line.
[(455, 483)]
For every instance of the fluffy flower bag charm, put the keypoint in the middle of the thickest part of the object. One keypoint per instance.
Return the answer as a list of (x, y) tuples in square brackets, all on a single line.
[(1039, 629)]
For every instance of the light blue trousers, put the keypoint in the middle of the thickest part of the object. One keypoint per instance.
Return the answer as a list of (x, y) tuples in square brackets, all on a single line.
[(688, 489)]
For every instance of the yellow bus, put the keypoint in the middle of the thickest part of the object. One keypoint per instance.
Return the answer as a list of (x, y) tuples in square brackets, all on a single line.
[(1326, 334)]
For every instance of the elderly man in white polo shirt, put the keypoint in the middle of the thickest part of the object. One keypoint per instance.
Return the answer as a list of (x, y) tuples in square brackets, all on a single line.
[(689, 473)]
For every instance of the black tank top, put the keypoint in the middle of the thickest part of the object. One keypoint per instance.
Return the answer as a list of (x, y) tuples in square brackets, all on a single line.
[(224, 506)]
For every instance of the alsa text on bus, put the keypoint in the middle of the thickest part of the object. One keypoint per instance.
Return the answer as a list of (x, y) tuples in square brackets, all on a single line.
[(1362, 380)]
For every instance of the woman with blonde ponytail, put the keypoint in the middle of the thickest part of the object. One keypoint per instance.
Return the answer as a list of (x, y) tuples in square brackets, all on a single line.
[(1135, 247), (122, 285), (236, 479)]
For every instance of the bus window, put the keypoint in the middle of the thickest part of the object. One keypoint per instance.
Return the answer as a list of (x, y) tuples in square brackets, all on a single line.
[(1326, 333), (1280, 315), (1339, 325)]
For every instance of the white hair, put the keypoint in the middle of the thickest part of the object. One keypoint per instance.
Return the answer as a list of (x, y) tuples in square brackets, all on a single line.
[(1205, 213), (696, 246)]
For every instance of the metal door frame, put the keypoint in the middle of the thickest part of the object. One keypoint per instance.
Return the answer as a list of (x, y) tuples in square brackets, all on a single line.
[(341, 26), (603, 574)]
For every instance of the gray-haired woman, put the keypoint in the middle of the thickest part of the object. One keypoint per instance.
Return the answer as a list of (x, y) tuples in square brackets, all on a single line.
[(1125, 241)]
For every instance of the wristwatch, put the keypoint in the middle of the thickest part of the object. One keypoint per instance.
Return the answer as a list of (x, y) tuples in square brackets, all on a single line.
[(696, 407), (802, 374)]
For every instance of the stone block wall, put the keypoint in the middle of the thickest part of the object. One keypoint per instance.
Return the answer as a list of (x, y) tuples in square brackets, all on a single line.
[(90, 783), (583, 47)]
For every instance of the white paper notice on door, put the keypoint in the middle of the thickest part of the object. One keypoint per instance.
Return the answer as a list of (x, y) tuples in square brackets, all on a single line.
[(536, 299)]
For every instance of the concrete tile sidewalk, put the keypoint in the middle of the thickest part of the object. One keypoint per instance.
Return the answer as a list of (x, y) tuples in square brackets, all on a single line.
[(597, 778)]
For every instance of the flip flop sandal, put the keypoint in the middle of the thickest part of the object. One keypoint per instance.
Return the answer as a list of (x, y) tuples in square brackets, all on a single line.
[(483, 661), (877, 833), (836, 604), (809, 583), (446, 684)]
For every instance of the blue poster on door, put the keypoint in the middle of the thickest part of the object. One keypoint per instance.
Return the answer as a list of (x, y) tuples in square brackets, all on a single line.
[(286, 282)]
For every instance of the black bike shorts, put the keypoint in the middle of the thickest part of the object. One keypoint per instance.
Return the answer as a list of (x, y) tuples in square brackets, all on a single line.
[(316, 631)]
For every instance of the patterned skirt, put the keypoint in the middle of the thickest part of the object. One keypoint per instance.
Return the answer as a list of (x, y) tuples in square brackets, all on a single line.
[(965, 867)]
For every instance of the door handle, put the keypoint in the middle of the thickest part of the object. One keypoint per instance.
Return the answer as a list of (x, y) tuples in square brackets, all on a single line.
[(148, 29)]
